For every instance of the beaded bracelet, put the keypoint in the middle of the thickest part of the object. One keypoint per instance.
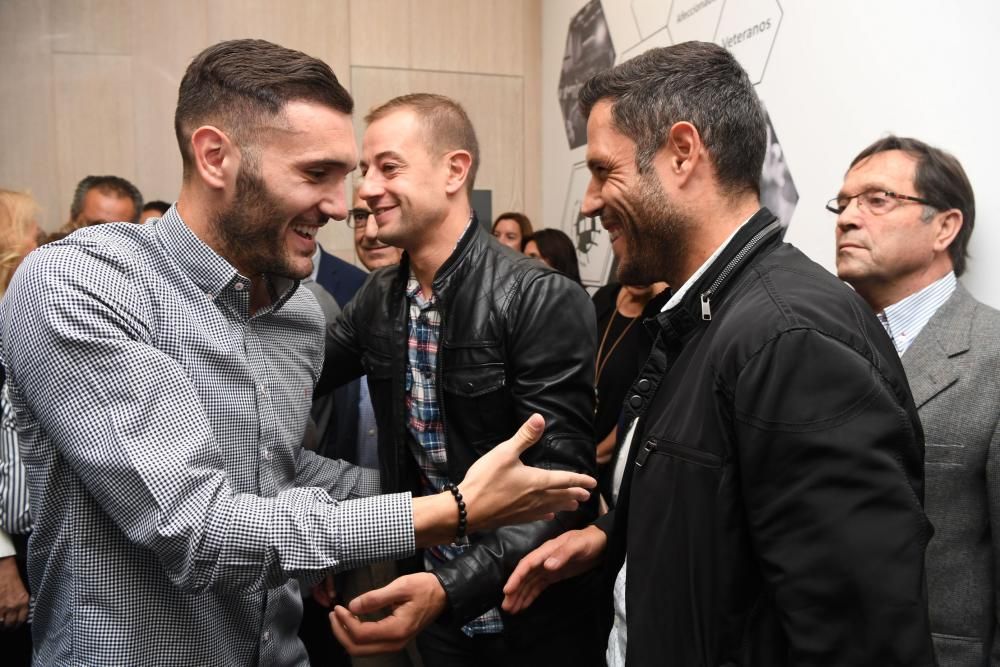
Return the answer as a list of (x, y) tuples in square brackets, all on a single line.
[(463, 516)]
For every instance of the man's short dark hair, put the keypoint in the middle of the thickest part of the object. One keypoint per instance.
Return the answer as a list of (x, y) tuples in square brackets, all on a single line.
[(109, 185), (698, 82), (940, 180), (240, 85), (157, 205), (448, 126)]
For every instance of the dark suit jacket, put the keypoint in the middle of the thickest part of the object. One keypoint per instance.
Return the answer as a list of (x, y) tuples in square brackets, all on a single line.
[(339, 278), (953, 368), (339, 436)]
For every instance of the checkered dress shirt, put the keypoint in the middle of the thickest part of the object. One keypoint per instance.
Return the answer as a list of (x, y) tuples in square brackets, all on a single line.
[(427, 427), (160, 423)]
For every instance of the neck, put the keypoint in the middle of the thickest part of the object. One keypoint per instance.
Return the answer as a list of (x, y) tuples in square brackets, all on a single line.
[(438, 244), (881, 296), (713, 221), (632, 300), (197, 209)]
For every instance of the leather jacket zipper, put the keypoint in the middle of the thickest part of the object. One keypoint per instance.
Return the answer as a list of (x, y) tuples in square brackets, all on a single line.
[(706, 296)]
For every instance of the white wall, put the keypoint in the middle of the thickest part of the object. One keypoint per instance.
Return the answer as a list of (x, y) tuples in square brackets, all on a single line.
[(839, 75)]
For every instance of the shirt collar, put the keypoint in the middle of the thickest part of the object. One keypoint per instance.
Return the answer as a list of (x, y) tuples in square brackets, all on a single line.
[(206, 268), (317, 256), (678, 294), (905, 319)]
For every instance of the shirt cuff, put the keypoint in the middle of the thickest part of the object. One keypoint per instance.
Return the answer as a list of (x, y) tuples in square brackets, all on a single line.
[(375, 529), (7, 546)]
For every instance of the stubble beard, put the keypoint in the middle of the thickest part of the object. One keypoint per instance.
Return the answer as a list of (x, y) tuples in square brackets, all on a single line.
[(251, 231), (655, 236)]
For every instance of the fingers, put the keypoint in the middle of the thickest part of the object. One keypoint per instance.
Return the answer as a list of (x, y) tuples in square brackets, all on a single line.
[(361, 638), (528, 434), (576, 483), (324, 593), (380, 598)]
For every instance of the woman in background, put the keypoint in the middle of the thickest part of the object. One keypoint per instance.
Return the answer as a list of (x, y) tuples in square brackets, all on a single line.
[(511, 229), (555, 249), (18, 237)]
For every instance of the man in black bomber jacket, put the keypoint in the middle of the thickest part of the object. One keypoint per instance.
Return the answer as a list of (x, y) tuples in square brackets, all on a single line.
[(770, 511), (494, 337)]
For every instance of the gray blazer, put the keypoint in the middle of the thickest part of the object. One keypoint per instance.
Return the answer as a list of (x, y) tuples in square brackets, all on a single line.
[(953, 368)]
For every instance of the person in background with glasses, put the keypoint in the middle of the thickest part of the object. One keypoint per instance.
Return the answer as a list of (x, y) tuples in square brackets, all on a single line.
[(374, 254), (904, 219)]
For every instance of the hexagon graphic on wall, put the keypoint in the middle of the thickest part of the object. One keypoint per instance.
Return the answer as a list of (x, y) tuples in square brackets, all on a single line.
[(748, 29), (694, 20), (588, 51), (777, 189), (650, 16), (593, 247)]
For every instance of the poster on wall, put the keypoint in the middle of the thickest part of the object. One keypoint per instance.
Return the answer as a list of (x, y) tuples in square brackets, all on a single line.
[(588, 51)]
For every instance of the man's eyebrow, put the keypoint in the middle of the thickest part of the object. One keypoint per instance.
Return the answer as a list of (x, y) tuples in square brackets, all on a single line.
[(866, 187), (330, 164), (388, 154)]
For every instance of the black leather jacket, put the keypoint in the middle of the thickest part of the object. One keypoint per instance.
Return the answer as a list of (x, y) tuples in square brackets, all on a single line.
[(771, 510), (516, 338)]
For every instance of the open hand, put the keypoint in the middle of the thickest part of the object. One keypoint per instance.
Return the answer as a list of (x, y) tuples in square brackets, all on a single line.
[(568, 555), (500, 490)]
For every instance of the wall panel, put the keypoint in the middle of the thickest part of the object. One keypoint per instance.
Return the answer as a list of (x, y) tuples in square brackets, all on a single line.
[(317, 27), (381, 33), (91, 26), (157, 68), (457, 35), (28, 159), (95, 124)]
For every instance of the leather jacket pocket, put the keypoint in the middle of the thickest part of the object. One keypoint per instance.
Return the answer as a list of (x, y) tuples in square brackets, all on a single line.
[(478, 406)]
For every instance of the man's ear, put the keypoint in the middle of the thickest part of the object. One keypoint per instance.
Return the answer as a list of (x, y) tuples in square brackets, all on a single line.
[(949, 225), (215, 155), (683, 149), (458, 162)]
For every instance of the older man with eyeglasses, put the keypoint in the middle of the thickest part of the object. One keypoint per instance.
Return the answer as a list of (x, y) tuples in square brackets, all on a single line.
[(904, 219)]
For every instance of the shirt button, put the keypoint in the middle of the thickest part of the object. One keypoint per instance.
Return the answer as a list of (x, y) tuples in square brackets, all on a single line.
[(642, 385), (371, 431), (238, 287), (267, 635), (635, 401), (266, 454)]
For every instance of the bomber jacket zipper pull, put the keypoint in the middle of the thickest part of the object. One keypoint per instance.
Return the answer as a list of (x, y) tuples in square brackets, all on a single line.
[(640, 459), (706, 306)]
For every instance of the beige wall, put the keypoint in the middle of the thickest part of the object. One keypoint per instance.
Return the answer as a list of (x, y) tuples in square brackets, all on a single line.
[(89, 86)]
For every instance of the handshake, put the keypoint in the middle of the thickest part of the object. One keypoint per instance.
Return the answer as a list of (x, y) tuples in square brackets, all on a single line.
[(498, 490)]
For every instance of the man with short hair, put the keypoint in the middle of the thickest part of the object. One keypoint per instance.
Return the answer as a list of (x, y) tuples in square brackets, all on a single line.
[(161, 377), (905, 214), (770, 508), (104, 199), (458, 342)]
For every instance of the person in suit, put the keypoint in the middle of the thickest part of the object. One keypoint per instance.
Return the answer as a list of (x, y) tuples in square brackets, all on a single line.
[(341, 279), (904, 217)]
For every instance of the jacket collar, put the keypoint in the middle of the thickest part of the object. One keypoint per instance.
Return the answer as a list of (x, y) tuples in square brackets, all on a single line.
[(454, 267), (947, 334), (761, 233)]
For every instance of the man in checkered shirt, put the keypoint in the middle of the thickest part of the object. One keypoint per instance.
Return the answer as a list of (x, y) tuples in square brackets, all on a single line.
[(161, 378)]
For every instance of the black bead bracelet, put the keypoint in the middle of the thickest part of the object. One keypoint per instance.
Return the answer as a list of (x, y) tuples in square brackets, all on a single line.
[(463, 516)]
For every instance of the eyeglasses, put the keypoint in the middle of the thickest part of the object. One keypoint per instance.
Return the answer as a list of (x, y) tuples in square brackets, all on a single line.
[(876, 202), (357, 217)]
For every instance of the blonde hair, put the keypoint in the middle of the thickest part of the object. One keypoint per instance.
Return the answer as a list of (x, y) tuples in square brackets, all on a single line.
[(18, 228)]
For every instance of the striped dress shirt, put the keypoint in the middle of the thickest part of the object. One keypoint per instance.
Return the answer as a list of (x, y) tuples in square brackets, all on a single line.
[(904, 320), (160, 422)]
